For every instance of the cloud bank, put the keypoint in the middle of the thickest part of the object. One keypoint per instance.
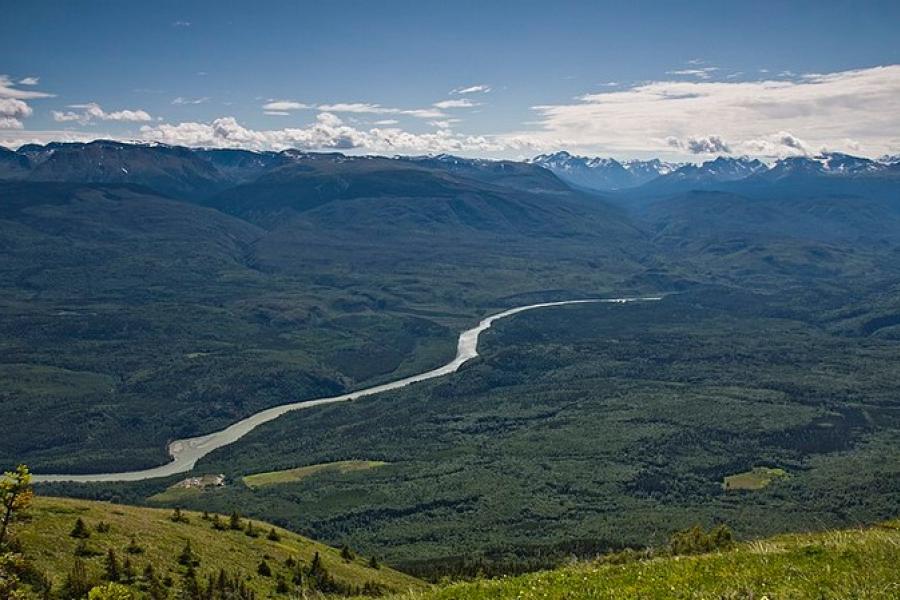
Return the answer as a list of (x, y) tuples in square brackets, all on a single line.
[(835, 111), (854, 111), (328, 132)]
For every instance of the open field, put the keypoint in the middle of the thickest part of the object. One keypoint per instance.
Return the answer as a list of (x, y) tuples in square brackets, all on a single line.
[(258, 480), (755, 479)]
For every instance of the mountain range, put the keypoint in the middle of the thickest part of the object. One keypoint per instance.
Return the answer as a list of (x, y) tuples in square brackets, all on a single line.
[(201, 173), (655, 176)]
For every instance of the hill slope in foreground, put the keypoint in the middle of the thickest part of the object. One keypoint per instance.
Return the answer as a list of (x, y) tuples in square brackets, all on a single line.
[(857, 563), (853, 563), (46, 541)]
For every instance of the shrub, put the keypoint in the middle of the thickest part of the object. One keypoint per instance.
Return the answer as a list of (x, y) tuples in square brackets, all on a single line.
[(110, 591), (346, 553), (264, 569), (80, 530), (187, 557), (695, 540), (83, 549), (133, 547), (178, 517)]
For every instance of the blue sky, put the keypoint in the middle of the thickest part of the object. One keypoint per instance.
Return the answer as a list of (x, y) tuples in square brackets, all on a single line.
[(686, 79)]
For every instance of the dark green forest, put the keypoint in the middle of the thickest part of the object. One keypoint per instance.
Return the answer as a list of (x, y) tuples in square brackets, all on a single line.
[(134, 313), (587, 429)]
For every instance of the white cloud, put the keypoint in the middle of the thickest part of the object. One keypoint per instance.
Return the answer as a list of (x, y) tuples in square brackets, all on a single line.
[(785, 143), (276, 113), (443, 123), (181, 24), (424, 113), (183, 100), (283, 105), (824, 110), (461, 103), (357, 107), (702, 73), (328, 132), (7, 90), (710, 144), (472, 89), (386, 122), (12, 111), (13, 107), (93, 111), (369, 108)]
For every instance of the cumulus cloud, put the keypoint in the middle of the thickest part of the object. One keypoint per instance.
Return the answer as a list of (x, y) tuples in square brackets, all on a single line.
[(328, 132), (472, 89), (93, 111), (710, 144), (461, 103), (785, 143), (13, 107), (12, 111), (824, 110)]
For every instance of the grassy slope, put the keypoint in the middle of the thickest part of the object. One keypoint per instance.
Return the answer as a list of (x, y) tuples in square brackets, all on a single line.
[(46, 540), (859, 563)]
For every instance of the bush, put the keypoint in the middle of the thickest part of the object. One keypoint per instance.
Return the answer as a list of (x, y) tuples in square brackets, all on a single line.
[(110, 591), (133, 547), (264, 569), (346, 553), (80, 530), (695, 540), (178, 517), (187, 557), (83, 549)]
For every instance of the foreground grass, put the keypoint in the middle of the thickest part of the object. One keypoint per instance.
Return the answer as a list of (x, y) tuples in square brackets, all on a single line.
[(863, 563), (46, 541)]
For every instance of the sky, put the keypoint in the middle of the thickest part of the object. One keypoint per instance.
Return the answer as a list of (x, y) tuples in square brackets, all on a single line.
[(678, 80)]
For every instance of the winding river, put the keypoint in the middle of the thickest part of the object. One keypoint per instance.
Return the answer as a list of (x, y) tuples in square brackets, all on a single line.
[(186, 453)]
